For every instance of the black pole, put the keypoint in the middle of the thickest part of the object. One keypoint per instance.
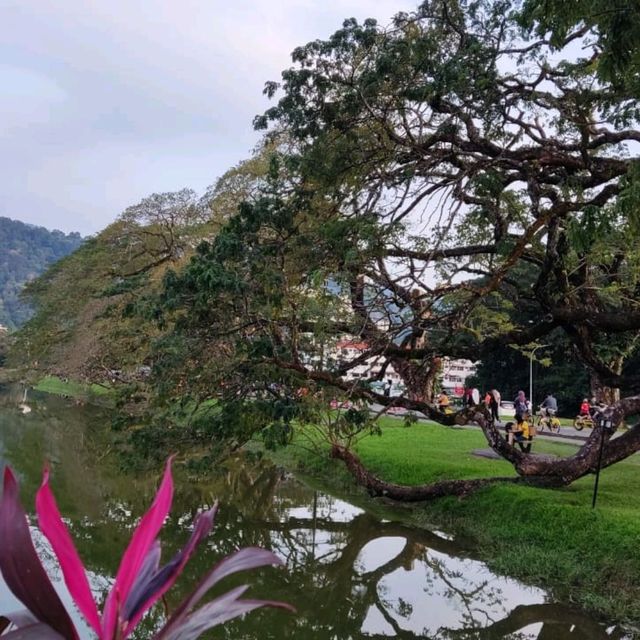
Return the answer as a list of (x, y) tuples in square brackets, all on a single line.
[(595, 486)]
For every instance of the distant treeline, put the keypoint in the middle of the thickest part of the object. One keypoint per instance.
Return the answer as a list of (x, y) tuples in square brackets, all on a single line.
[(25, 252)]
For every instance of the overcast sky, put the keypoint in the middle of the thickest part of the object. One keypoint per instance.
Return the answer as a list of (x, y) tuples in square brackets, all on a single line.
[(105, 101)]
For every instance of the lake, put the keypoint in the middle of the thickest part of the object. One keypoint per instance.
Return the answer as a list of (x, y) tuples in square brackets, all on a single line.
[(350, 573)]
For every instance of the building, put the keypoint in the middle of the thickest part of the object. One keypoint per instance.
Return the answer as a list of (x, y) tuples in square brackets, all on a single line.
[(369, 369), (455, 374)]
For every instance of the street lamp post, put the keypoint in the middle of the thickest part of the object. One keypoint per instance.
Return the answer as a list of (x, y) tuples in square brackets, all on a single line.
[(540, 346), (605, 425)]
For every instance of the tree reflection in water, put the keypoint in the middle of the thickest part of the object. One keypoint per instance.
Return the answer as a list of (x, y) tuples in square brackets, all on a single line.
[(350, 574), (357, 577)]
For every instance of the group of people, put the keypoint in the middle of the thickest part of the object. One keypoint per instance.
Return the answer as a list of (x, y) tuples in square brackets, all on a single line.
[(521, 430), (471, 398)]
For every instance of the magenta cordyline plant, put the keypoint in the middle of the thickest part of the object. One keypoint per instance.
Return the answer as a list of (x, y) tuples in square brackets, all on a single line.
[(139, 584)]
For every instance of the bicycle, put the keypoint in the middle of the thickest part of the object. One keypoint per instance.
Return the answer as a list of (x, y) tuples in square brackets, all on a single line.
[(547, 418), (582, 421)]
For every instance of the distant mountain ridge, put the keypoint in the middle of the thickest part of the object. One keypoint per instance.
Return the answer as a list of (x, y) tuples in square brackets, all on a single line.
[(26, 251)]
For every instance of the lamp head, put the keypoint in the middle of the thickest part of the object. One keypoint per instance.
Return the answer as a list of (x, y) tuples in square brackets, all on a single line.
[(605, 422)]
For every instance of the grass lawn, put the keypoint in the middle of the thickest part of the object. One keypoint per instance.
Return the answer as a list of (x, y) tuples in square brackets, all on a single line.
[(547, 537)]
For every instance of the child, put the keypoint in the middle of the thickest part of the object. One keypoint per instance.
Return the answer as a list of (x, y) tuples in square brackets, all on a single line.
[(584, 409), (443, 402), (520, 432)]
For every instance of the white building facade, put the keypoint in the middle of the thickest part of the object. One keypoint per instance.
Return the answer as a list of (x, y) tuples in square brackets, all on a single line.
[(455, 374)]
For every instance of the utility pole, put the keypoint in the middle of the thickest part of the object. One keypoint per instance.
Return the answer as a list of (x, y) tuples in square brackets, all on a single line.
[(540, 346)]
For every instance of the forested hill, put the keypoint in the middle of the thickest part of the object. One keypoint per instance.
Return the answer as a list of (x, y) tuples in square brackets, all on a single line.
[(25, 252)]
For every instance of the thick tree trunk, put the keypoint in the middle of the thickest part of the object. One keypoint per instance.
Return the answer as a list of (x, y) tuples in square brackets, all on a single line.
[(429, 380), (600, 391), (535, 470), (419, 377), (406, 493), (564, 471)]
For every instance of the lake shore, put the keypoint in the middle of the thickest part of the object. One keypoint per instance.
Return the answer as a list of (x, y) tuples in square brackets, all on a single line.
[(547, 538)]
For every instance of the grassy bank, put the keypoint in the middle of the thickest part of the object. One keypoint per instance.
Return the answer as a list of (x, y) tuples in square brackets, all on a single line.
[(72, 389), (551, 538)]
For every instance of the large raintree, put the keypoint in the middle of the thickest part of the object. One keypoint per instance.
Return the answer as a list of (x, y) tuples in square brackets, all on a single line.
[(443, 179)]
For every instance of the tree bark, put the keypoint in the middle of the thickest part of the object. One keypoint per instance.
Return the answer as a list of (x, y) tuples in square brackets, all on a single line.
[(406, 493), (602, 392), (419, 377)]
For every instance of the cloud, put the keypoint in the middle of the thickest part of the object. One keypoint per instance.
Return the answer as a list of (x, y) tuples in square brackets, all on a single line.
[(103, 103)]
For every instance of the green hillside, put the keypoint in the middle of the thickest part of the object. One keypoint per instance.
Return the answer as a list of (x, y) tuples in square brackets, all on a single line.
[(26, 251)]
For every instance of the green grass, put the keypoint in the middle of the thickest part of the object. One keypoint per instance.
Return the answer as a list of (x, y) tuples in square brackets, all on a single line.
[(59, 387), (550, 538)]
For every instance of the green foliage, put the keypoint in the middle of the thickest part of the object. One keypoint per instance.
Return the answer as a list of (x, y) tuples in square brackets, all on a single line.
[(87, 324), (25, 252), (629, 200), (443, 188), (4, 346), (615, 23)]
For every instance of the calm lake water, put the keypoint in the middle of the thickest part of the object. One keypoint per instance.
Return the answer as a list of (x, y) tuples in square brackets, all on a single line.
[(350, 573)]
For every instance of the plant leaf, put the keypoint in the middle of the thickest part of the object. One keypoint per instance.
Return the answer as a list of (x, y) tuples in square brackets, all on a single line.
[(145, 593), (137, 552), (177, 629), (37, 631), (248, 558), (17, 618), (21, 567), (148, 570), (216, 612), (73, 570)]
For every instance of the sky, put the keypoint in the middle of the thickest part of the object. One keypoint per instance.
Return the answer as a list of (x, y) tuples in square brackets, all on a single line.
[(103, 102)]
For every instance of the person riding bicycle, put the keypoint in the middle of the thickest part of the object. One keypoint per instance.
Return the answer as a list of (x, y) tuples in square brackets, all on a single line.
[(521, 405), (550, 406), (584, 409)]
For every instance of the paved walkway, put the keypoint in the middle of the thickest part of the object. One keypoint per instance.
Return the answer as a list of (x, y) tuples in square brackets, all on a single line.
[(567, 435)]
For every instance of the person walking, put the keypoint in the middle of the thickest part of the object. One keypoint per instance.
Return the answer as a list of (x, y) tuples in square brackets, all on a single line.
[(468, 397), (494, 404)]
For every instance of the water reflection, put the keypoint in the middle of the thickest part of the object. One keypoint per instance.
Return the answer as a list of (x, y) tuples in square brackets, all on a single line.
[(349, 574)]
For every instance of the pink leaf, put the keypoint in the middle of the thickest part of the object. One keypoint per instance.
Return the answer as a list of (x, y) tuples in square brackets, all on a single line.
[(136, 553), (242, 560), (144, 594), (21, 568), (217, 612), (54, 529)]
